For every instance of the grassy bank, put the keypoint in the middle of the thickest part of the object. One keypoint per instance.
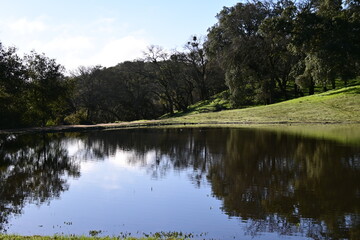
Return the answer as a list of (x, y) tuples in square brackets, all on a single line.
[(338, 107)]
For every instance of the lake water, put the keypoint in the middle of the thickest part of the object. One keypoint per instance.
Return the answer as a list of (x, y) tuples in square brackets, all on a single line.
[(214, 183)]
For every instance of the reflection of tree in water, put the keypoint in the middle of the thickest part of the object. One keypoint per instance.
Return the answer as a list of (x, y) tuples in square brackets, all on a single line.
[(176, 149), (289, 184), (33, 169), (277, 182)]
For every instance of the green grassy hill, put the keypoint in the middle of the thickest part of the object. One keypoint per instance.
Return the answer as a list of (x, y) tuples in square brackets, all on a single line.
[(215, 103), (337, 106)]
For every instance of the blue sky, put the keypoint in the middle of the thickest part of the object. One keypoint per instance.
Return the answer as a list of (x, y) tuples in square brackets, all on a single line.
[(103, 32)]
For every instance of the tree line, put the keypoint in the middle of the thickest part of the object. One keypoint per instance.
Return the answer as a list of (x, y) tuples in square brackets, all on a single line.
[(277, 50), (261, 52)]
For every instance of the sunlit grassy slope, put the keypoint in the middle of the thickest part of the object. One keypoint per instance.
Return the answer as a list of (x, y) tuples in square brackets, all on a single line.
[(215, 103), (338, 106)]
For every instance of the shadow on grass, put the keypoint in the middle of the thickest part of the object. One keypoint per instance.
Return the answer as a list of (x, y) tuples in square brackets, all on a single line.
[(348, 90), (215, 103)]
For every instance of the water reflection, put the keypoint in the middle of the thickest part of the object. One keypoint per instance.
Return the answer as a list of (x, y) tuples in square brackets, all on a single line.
[(33, 169), (177, 149), (290, 184), (274, 182)]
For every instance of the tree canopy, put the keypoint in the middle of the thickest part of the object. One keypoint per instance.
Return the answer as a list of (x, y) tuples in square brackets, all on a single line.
[(261, 52)]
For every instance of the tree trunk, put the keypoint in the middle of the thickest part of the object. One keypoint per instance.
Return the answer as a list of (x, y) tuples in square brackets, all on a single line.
[(324, 87), (296, 90), (333, 83), (312, 87), (283, 88)]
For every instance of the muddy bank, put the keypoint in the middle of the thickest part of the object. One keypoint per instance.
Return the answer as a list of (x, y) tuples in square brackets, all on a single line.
[(150, 123)]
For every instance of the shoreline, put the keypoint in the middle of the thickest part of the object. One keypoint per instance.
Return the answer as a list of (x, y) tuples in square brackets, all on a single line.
[(160, 123)]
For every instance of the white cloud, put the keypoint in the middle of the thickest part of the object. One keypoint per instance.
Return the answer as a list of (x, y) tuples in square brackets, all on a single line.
[(107, 26), (84, 51), (70, 52), (77, 43), (76, 51), (103, 41), (121, 49), (106, 20), (24, 26)]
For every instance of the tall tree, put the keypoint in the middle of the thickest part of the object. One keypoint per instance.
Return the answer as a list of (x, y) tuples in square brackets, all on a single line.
[(207, 76), (325, 32), (236, 43), (45, 88), (12, 86), (174, 87), (276, 31), (86, 95), (138, 96)]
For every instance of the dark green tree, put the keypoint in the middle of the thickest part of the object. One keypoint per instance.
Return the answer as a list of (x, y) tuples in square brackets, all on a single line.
[(86, 94), (141, 99), (236, 43), (174, 87), (45, 88), (12, 86), (124, 92), (207, 77), (276, 32), (325, 32)]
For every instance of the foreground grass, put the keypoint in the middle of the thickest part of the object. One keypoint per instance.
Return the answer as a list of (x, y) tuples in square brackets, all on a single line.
[(15, 237), (338, 106), (94, 235)]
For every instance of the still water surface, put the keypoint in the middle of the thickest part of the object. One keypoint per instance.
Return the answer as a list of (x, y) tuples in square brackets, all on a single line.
[(214, 183)]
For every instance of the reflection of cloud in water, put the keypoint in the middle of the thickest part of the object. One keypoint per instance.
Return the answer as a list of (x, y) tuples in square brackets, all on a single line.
[(123, 159), (73, 146), (88, 167), (112, 182), (116, 171)]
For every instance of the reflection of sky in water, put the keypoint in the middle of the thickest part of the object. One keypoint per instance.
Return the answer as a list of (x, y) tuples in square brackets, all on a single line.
[(193, 181), (116, 196)]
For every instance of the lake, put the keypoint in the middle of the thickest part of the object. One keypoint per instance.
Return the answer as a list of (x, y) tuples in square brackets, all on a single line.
[(212, 183)]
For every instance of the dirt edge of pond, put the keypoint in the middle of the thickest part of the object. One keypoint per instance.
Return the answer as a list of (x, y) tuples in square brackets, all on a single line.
[(151, 123)]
